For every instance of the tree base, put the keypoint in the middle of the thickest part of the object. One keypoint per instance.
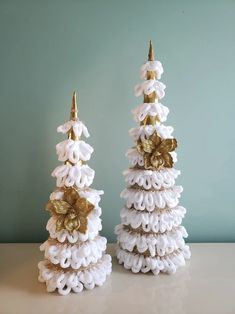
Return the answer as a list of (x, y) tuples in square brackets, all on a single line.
[(70, 280), (140, 263)]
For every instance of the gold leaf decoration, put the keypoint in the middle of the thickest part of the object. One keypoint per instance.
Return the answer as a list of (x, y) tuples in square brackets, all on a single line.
[(156, 151), (71, 212)]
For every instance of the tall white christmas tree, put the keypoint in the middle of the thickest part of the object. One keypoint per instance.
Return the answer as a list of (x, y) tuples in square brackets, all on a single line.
[(75, 252), (150, 236)]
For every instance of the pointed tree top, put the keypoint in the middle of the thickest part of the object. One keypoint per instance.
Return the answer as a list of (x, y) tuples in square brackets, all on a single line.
[(151, 75), (151, 52), (74, 108)]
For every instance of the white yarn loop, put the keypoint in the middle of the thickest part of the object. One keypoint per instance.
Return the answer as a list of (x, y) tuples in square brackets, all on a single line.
[(163, 178), (150, 200), (167, 264), (149, 86), (77, 126), (156, 221), (69, 255), (73, 151), (75, 281), (145, 131), (134, 157), (154, 66), (157, 244), (79, 175), (151, 109)]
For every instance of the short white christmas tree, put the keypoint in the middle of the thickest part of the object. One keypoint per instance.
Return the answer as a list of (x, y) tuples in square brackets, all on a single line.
[(75, 252), (150, 236)]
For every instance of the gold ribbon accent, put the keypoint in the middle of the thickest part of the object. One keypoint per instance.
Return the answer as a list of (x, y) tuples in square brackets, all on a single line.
[(71, 211), (156, 151)]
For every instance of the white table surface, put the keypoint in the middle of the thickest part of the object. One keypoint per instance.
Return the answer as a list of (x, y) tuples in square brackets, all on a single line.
[(205, 285)]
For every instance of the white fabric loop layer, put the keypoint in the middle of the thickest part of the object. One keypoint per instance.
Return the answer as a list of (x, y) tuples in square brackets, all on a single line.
[(77, 126), (79, 175), (143, 132), (154, 66), (93, 196), (136, 158), (156, 221), (149, 86), (75, 256), (167, 264), (148, 179), (150, 200), (75, 281), (151, 109), (157, 244), (74, 151)]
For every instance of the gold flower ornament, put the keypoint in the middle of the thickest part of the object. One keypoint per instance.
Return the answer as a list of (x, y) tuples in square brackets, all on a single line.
[(156, 151), (71, 211)]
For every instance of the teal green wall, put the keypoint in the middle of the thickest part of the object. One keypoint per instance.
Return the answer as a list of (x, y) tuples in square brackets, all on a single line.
[(50, 48)]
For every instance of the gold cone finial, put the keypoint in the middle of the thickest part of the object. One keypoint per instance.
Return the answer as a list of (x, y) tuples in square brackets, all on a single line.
[(74, 108), (150, 98), (73, 116), (151, 75), (151, 52)]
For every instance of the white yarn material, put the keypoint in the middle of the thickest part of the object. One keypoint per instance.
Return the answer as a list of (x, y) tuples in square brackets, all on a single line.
[(136, 158), (163, 178), (73, 151), (153, 66), (150, 109), (77, 126), (167, 264), (75, 280), (68, 175), (149, 200), (150, 86), (145, 131), (151, 218), (92, 195), (75, 256), (157, 244), (75, 260), (156, 221)]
